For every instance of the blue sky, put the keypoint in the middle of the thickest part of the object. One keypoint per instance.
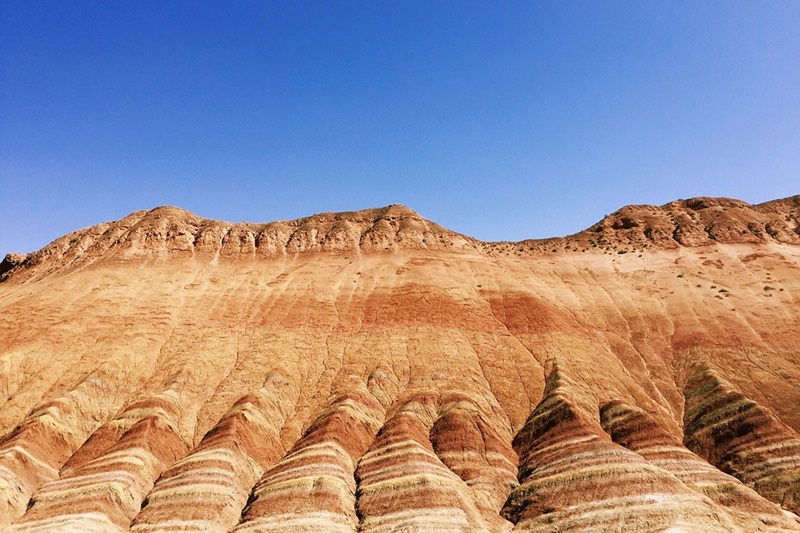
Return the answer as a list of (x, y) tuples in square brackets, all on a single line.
[(501, 120)]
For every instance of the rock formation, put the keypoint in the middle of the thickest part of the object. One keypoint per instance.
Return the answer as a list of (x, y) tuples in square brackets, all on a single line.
[(373, 371)]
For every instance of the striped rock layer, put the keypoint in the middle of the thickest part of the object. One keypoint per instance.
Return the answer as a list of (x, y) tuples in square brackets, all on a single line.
[(404, 485), (743, 439), (372, 371), (574, 478), (207, 489), (639, 432), (33, 453), (106, 491), (313, 488)]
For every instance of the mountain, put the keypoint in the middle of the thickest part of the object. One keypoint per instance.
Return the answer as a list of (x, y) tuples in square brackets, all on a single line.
[(374, 371)]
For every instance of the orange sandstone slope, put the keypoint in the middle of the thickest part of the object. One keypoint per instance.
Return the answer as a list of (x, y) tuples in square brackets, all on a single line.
[(373, 371)]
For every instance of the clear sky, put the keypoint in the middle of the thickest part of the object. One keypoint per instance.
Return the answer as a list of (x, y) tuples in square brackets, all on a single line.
[(502, 120)]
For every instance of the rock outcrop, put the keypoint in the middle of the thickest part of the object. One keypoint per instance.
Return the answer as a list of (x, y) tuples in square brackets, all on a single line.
[(574, 478), (743, 439), (638, 432), (372, 371)]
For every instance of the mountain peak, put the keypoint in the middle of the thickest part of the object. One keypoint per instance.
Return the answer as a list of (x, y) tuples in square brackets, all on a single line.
[(697, 221), (168, 231)]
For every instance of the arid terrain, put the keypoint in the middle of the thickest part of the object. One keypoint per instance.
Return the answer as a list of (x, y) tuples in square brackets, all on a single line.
[(373, 371)]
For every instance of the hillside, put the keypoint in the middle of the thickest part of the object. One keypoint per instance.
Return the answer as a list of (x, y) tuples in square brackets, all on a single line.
[(374, 371)]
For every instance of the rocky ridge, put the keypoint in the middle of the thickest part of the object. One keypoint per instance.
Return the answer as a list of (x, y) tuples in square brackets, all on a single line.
[(176, 232)]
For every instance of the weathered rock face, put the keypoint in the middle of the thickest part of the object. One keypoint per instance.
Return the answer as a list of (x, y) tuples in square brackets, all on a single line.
[(574, 478), (638, 432), (10, 262), (743, 439), (373, 371)]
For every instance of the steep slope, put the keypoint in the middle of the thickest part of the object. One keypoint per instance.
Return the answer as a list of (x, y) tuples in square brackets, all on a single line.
[(374, 371), (743, 438), (314, 483), (638, 432), (573, 478), (220, 472)]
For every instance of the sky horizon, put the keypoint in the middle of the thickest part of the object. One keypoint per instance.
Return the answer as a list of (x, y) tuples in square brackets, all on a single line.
[(504, 122)]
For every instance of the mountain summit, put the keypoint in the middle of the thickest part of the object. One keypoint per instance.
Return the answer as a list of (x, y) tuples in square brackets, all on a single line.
[(374, 371), (171, 231)]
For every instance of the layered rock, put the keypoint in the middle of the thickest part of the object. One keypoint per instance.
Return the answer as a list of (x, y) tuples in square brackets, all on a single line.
[(33, 453), (207, 490), (742, 438), (105, 492), (574, 478), (313, 487), (636, 430), (468, 438), (379, 367), (404, 486)]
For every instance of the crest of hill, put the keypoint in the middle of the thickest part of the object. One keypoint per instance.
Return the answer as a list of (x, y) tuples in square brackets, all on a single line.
[(701, 221), (174, 232)]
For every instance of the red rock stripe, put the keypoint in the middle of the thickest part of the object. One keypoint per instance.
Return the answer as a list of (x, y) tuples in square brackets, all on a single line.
[(574, 478), (112, 486), (207, 490), (312, 488), (742, 438), (404, 486)]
